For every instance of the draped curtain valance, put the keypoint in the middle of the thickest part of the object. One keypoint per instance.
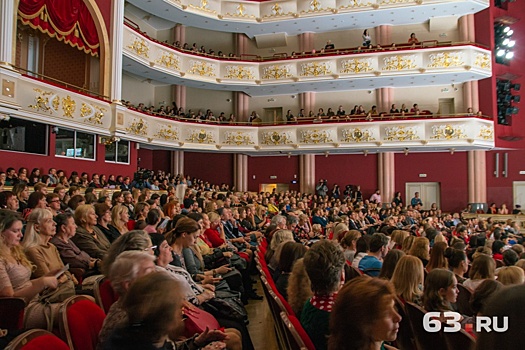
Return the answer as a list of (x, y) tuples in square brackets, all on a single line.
[(66, 20)]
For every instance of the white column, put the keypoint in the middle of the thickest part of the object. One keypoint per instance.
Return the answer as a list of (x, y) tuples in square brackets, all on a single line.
[(240, 172), (177, 162), (307, 173), (7, 32), (117, 29)]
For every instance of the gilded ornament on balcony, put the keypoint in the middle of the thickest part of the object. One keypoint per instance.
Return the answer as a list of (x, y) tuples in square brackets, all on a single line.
[(315, 69), (446, 60), (238, 138), (168, 133), (93, 114), (277, 10), (400, 133), (140, 46), (200, 136), (169, 60), (68, 106), (202, 68), (274, 138), (482, 61), (239, 72), (447, 132), (42, 101), (138, 127), (315, 136), (276, 71), (399, 62), (357, 135), (315, 5), (203, 6), (241, 9), (486, 133), (356, 65)]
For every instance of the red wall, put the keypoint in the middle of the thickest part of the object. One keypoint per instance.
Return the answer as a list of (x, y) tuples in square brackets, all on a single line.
[(213, 167), (499, 189), (450, 170), (145, 159), (30, 161), (105, 9), (348, 169), (281, 166)]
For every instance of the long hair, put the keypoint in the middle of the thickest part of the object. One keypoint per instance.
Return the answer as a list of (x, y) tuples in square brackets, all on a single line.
[(389, 263), (359, 304), (7, 220), (420, 248), (435, 281), (408, 277), (298, 289), (437, 257), (31, 236), (483, 266)]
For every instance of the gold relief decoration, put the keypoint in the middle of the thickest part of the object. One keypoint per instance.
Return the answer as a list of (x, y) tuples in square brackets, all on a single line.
[(357, 135), (238, 138), (169, 60), (167, 133), (68, 106), (315, 69), (42, 101), (277, 10), (446, 60), (203, 7), (200, 136), (140, 46), (447, 132), (399, 62), (241, 9), (202, 68), (239, 72), (276, 71), (400, 133), (356, 65), (138, 127), (93, 114), (314, 5), (486, 133), (316, 136), (482, 61), (274, 138)]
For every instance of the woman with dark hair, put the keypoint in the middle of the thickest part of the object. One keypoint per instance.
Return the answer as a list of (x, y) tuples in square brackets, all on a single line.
[(34, 177), (22, 193), (364, 315), (437, 257), (457, 262), (103, 212), (441, 289), (483, 267), (36, 200), (9, 201), (290, 253), (389, 263)]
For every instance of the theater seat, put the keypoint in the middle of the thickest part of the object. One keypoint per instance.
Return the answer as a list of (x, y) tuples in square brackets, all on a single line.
[(105, 296), (424, 340), (298, 339), (12, 313), (37, 339)]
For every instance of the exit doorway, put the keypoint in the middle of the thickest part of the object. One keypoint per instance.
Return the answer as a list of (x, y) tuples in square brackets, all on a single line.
[(429, 192), (271, 187)]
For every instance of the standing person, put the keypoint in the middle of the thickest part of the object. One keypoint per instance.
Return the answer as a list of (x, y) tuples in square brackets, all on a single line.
[(416, 200), (367, 40), (376, 197), (322, 188)]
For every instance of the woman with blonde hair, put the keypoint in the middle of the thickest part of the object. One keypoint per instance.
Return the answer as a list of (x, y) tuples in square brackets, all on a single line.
[(407, 244), (421, 249), (483, 267), (398, 237), (120, 218), (298, 289), (509, 275), (349, 244), (280, 236), (437, 257), (408, 279), (89, 238)]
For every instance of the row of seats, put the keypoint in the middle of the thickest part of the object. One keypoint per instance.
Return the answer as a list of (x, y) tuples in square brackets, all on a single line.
[(290, 334)]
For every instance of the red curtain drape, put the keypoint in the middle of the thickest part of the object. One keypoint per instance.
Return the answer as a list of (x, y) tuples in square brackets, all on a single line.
[(67, 20)]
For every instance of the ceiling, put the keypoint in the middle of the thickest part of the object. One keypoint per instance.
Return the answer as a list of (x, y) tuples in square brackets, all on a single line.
[(362, 18)]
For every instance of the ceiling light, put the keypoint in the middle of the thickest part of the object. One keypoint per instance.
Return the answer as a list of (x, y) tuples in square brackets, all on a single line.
[(511, 43), (509, 55), (500, 53)]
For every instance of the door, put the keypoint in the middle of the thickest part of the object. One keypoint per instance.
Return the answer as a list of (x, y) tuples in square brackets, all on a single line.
[(270, 187), (273, 115), (429, 192), (519, 194), (446, 106)]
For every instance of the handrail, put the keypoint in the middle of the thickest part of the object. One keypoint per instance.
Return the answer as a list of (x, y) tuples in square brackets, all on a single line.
[(61, 83)]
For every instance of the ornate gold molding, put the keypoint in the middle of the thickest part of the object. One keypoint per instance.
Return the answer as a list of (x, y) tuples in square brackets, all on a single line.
[(276, 71), (140, 47), (356, 65), (169, 60), (138, 127), (93, 114), (168, 133), (447, 132), (202, 68), (357, 135), (400, 133), (399, 62), (68, 106), (486, 133), (315, 136), (315, 69), (445, 60), (483, 61), (200, 136), (238, 138), (239, 72), (274, 138), (42, 101)]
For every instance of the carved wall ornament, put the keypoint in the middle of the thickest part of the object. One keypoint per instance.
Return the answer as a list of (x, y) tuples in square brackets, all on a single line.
[(483, 61), (239, 72), (276, 71), (274, 138), (202, 68), (168, 133), (446, 60), (140, 47), (399, 62), (315, 5), (357, 135), (486, 133), (200, 136), (315, 136), (356, 65), (138, 127), (447, 132), (42, 101), (169, 60), (400, 133), (203, 6), (68, 106), (315, 69), (92, 114), (238, 138), (277, 10)]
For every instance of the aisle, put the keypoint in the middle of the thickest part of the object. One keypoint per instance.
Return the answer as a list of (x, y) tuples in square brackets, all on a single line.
[(261, 323)]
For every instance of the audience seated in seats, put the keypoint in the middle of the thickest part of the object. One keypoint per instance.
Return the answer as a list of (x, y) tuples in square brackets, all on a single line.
[(103, 212), (324, 263), (88, 237), (290, 253), (362, 249), (371, 263), (437, 257), (390, 262), (120, 218), (440, 290), (298, 291), (421, 249), (408, 279), (273, 252), (364, 315), (510, 275), (349, 245), (458, 263), (483, 267)]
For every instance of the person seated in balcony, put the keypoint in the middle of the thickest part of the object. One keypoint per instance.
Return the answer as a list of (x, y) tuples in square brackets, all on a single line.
[(367, 39), (301, 113), (393, 109), (231, 119), (177, 44), (470, 111), (222, 118), (318, 119), (253, 116), (329, 45), (360, 110), (373, 111), (403, 109), (340, 112), (321, 113), (354, 110), (290, 117), (330, 113), (185, 46), (413, 40), (202, 49), (415, 109)]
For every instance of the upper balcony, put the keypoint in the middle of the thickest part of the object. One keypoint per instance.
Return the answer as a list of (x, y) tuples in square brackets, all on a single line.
[(29, 98), (298, 16), (429, 63)]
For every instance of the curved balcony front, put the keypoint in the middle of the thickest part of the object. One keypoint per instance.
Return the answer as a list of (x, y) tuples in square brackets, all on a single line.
[(298, 16), (344, 70), (33, 99)]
